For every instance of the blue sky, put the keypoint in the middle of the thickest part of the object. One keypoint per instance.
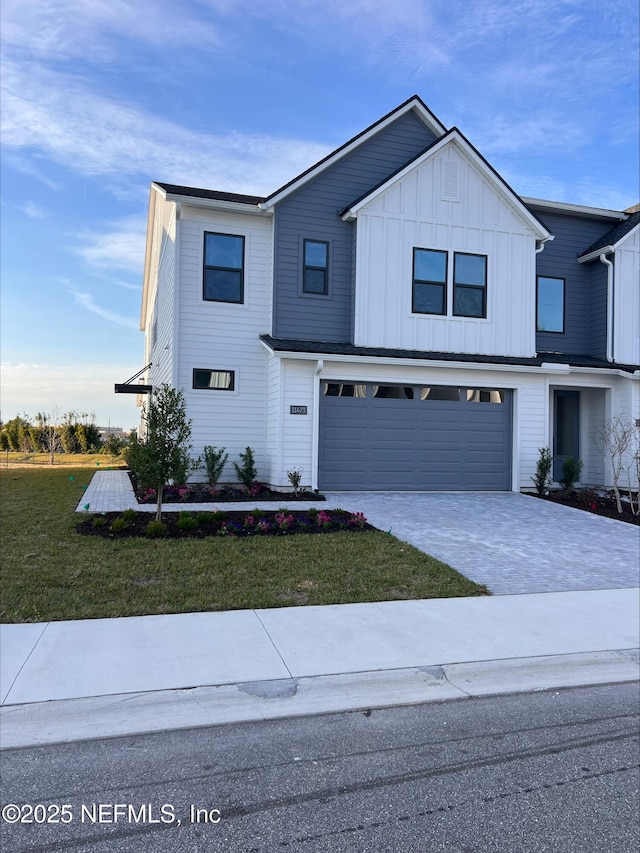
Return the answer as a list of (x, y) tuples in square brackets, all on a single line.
[(100, 97)]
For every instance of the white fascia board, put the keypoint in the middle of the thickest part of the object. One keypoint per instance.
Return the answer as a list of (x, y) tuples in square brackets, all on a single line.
[(454, 137), (596, 212), (624, 374), (404, 362), (593, 256), (217, 204), (413, 104), (147, 256)]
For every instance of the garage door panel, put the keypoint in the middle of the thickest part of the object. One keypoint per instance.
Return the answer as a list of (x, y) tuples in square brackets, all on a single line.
[(414, 443)]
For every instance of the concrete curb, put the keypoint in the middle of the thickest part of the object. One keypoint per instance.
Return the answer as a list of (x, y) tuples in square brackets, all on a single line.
[(142, 713)]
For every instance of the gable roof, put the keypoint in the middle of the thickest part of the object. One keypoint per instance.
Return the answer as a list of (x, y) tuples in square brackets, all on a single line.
[(414, 103), (454, 135), (610, 241)]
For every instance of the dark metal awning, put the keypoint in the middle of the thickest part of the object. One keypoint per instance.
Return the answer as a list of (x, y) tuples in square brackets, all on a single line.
[(128, 388)]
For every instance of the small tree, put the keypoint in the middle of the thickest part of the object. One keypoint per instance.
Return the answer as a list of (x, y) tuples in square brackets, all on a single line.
[(50, 438), (542, 478), (617, 438), (164, 455), (112, 445)]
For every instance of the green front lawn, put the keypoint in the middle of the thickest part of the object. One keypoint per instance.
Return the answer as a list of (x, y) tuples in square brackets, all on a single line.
[(49, 572)]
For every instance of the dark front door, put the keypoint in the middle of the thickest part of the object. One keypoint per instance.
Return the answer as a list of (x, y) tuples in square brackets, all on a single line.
[(566, 429)]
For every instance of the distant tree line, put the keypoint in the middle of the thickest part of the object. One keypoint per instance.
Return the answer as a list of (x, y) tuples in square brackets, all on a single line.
[(71, 432)]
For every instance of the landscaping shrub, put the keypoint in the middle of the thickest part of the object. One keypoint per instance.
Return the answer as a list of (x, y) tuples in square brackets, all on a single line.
[(542, 477), (214, 461), (155, 529), (187, 522), (246, 472), (571, 469)]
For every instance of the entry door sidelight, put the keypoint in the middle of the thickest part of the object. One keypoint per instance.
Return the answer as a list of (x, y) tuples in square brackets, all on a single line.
[(566, 429)]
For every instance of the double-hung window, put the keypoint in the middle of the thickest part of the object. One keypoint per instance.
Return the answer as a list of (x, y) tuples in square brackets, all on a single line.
[(550, 304), (316, 266), (469, 285), (429, 281), (223, 279)]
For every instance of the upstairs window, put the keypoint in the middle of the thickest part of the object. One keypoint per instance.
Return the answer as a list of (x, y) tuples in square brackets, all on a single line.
[(429, 282), (550, 304), (469, 285), (223, 268), (316, 267)]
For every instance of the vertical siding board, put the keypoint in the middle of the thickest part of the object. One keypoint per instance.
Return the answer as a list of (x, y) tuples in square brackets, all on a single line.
[(384, 279), (626, 315)]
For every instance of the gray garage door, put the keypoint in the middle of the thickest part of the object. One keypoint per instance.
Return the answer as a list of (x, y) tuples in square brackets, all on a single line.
[(414, 437)]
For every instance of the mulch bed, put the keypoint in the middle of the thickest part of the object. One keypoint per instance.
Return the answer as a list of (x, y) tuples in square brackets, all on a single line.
[(235, 523), (590, 501), (197, 493)]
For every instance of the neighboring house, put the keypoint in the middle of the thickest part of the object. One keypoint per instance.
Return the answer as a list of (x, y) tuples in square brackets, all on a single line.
[(395, 317)]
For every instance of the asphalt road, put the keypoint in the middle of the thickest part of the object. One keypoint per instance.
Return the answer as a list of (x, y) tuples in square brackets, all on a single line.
[(555, 771)]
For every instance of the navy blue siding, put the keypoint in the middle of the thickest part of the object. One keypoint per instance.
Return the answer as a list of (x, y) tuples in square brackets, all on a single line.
[(598, 309), (585, 312), (312, 212)]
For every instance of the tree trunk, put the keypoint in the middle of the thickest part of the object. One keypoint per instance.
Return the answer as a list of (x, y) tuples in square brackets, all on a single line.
[(159, 504)]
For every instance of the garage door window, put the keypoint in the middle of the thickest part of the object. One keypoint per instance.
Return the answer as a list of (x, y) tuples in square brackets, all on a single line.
[(343, 389), (440, 393), (392, 392), (484, 395)]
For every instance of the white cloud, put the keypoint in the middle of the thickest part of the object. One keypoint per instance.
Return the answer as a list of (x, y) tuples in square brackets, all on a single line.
[(32, 387), (57, 115), (85, 300), (34, 211), (121, 245), (63, 29)]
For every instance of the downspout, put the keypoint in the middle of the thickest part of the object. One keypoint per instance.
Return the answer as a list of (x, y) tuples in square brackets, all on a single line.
[(609, 264), (539, 248), (315, 435)]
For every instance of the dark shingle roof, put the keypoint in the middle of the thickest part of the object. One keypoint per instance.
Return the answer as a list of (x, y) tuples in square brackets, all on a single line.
[(216, 195), (614, 235), (341, 348)]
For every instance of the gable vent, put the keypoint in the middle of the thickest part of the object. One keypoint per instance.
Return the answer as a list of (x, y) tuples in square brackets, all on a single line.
[(450, 181)]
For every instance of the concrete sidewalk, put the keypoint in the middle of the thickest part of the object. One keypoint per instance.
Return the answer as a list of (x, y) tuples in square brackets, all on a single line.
[(65, 681)]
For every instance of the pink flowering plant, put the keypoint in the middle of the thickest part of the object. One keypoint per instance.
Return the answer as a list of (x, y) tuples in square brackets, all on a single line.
[(234, 523)]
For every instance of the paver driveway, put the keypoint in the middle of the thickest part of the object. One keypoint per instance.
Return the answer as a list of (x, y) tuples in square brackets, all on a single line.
[(511, 542)]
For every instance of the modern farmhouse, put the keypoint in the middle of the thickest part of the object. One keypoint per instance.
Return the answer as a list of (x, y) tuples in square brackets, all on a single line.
[(396, 317)]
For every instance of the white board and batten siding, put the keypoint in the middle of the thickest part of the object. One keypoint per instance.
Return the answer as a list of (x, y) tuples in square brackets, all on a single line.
[(414, 212), (225, 336), (626, 339)]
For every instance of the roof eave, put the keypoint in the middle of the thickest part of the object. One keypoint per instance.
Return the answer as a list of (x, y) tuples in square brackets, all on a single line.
[(580, 209)]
